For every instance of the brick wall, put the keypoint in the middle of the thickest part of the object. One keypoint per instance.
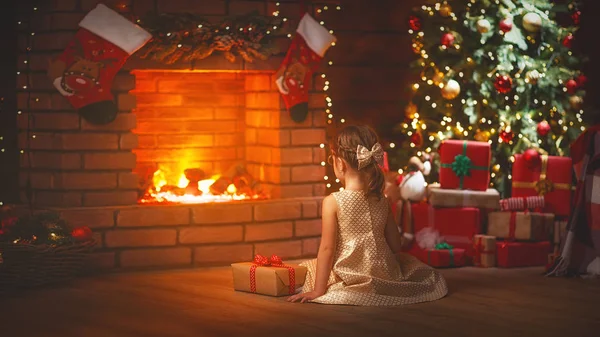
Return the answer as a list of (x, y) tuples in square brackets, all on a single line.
[(200, 235)]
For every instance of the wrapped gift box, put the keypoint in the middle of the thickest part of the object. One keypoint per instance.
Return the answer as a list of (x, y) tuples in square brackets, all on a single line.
[(440, 258), (522, 254), (559, 234), (485, 250), (536, 203), (524, 226), (465, 165), (551, 178), (439, 197), (422, 215), (263, 278)]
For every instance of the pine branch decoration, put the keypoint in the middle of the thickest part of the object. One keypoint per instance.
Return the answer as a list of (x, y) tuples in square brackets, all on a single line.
[(189, 37)]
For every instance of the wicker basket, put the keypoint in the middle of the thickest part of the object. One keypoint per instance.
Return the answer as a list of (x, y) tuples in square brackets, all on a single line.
[(26, 266)]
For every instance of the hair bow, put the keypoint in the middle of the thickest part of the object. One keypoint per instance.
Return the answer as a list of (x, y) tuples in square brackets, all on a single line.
[(365, 156)]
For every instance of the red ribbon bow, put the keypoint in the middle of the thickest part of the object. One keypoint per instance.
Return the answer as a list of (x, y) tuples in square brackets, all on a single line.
[(274, 261)]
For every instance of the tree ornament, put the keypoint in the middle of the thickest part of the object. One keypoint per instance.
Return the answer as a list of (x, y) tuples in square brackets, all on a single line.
[(506, 25), (445, 10), (410, 111), (82, 233), (543, 128), (414, 22), (506, 134), (581, 80), (417, 139), (571, 86), (576, 17), (438, 78), (447, 39), (576, 102), (451, 90), (483, 26), (503, 84), (568, 41), (532, 22), (532, 158), (533, 76), (482, 136)]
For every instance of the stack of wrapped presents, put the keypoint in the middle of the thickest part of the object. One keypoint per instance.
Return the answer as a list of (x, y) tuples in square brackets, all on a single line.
[(462, 220)]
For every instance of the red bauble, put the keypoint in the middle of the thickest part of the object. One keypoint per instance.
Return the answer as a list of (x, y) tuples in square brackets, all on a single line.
[(532, 157), (581, 80), (568, 41), (507, 135), (82, 233), (503, 84), (576, 16), (571, 86), (543, 128), (414, 22), (417, 139), (506, 25), (447, 39)]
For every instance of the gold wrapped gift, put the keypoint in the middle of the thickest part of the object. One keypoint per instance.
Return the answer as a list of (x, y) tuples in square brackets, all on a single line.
[(526, 226), (485, 250), (439, 197), (268, 276)]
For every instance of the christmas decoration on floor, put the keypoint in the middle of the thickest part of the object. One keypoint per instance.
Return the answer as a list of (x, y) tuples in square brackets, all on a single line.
[(38, 248), (85, 70), (303, 58), (500, 72), (189, 37), (268, 276)]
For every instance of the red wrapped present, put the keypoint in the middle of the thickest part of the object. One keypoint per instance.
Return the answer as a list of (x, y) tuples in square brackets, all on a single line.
[(522, 254), (550, 179), (422, 215), (465, 165), (442, 256), (458, 226)]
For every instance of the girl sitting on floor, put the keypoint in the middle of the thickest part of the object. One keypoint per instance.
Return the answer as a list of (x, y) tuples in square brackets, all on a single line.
[(359, 260)]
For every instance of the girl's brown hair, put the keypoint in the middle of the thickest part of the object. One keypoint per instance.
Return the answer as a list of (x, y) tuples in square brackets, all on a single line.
[(345, 145)]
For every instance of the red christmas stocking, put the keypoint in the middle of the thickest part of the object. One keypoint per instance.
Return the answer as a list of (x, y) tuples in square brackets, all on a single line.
[(85, 70), (302, 59)]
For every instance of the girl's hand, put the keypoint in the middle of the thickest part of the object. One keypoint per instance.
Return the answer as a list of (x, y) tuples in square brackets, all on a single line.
[(304, 297)]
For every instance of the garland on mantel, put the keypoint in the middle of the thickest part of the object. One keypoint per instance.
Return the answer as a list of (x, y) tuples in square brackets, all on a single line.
[(189, 37)]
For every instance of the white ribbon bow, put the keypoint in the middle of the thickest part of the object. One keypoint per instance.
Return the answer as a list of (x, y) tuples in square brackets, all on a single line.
[(365, 156)]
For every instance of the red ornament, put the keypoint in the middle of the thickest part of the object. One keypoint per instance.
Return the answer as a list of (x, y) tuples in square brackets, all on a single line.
[(581, 80), (503, 84), (576, 16), (82, 233), (447, 39), (414, 22), (571, 86), (568, 41), (543, 128), (532, 158), (507, 135), (506, 25), (417, 139)]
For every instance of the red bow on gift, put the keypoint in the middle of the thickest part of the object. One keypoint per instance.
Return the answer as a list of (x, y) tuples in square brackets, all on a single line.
[(274, 261)]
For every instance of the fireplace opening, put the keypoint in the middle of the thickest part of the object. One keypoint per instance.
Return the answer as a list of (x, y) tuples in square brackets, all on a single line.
[(191, 137)]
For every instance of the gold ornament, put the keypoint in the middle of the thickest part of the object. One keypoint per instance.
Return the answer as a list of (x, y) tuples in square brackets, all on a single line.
[(438, 78), (482, 136), (576, 102), (532, 22), (410, 110), (483, 26), (451, 90), (445, 10), (533, 76)]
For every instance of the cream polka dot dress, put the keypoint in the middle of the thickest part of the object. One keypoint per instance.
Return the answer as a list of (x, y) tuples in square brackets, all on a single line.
[(365, 270)]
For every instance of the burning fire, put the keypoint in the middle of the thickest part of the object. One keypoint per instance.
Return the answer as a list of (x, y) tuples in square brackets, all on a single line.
[(203, 191)]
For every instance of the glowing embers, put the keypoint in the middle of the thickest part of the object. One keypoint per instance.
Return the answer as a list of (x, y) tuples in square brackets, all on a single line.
[(194, 186)]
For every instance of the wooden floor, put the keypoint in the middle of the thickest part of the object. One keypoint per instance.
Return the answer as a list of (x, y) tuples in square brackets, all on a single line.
[(201, 302)]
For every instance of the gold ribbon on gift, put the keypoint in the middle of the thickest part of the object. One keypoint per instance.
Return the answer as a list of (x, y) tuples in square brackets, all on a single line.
[(543, 185)]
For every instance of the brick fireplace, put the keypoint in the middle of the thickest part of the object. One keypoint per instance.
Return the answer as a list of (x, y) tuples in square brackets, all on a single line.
[(213, 116)]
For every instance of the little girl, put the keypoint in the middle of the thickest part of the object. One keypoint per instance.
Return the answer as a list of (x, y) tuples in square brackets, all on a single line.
[(358, 261)]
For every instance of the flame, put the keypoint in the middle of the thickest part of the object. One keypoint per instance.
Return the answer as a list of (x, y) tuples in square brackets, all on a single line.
[(158, 193)]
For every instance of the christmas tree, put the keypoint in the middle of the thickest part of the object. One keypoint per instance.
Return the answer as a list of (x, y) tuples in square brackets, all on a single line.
[(500, 71)]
